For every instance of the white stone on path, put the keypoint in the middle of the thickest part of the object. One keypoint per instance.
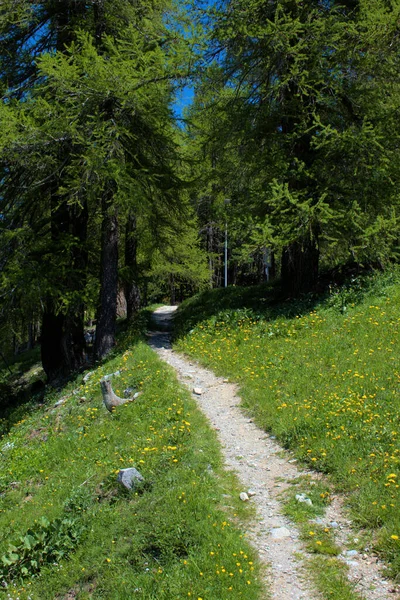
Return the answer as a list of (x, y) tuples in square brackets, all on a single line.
[(279, 533)]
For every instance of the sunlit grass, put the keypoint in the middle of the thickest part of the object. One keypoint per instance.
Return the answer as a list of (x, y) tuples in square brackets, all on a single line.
[(326, 382), (170, 540)]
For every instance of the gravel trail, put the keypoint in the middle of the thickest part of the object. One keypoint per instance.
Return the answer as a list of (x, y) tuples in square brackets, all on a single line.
[(264, 471)]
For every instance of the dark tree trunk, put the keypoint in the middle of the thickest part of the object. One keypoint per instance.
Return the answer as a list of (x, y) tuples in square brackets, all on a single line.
[(63, 347), (132, 292), (31, 335), (107, 312), (211, 252), (172, 290), (62, 344), (272, 269), (299, 267)]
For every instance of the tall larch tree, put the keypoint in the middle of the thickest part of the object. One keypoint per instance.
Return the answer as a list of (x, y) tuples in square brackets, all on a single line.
[(91, 102)]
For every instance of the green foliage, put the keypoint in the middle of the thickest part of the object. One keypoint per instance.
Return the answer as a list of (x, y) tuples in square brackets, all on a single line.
[(87, 111), (295, 122), (44, 543)]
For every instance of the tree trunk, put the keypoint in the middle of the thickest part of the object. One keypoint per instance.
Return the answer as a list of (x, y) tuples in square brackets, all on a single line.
[(132, 292), (63, 347), (299, 267), (107, 312), (62, 344), (31, 335), (272, 269), (172, 290)]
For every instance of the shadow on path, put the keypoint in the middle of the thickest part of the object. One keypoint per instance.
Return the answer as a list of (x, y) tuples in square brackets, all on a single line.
[(162, 320)]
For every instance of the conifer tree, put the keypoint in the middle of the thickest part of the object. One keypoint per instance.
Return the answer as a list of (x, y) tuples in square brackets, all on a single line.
[(299, 95), (93, 126)]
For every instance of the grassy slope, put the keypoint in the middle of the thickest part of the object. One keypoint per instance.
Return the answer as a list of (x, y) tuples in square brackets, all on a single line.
[(323, 376), (171, 540)]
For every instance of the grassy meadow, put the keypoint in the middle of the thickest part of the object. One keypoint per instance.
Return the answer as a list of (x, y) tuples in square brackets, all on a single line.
[(69, 530), (323, 375)]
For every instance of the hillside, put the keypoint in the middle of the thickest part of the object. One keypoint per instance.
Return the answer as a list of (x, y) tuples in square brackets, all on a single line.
[(321, 374), (69, 530)]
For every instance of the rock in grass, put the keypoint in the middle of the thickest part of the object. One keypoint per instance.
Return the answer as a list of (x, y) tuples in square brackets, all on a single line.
[(244, 497), (303, 499), (60, 402), (129, 391), (130, 478), (110, 399), (88, 376)]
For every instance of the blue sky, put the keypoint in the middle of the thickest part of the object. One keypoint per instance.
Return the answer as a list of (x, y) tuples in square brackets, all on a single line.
[(184, 98)]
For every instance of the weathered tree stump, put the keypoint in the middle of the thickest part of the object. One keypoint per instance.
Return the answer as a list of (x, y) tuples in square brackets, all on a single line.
[(110, 399)]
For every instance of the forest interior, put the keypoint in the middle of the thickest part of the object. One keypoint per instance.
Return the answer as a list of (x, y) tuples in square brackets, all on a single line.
[(239, 159)]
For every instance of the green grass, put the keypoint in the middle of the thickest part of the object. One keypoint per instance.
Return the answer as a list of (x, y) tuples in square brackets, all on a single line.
[(323, 376), (330, 576), (68, 529)]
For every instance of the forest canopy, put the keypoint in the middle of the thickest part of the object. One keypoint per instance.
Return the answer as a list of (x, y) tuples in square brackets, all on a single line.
[(288, 155)]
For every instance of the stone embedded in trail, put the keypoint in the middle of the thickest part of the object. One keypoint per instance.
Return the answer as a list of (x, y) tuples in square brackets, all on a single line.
[(130, 478), (251, 493), (244, 497), (198, 391), (279, 533)]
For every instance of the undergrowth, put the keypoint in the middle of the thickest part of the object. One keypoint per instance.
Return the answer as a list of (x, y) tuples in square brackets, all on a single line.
[(322, 375)]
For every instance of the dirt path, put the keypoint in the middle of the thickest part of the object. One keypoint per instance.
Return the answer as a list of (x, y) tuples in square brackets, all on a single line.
[(264, 471)]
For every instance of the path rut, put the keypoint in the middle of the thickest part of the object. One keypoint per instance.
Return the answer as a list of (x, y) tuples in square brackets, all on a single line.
[(262, 468)]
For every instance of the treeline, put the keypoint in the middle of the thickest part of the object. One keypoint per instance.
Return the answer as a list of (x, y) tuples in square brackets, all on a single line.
[(295, 132), (92, 183), (289, 153)]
